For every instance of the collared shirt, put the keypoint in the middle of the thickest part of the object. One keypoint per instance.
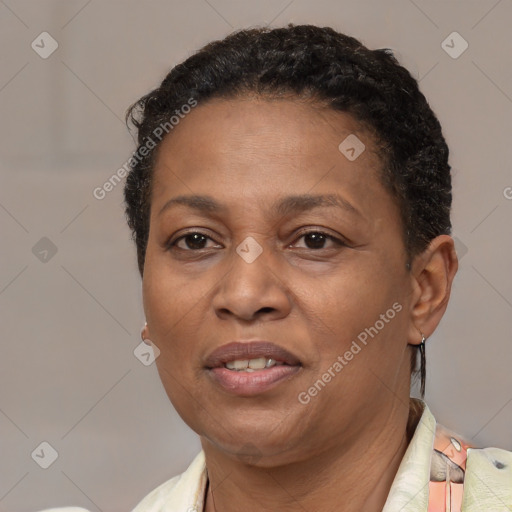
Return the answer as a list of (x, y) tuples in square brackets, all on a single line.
[(437, 466), (440, 472)]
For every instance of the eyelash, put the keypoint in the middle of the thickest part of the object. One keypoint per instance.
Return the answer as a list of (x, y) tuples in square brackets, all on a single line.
[(171, 244)]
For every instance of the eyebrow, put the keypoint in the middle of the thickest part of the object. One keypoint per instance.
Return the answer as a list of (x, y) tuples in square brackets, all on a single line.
[(288, 205)]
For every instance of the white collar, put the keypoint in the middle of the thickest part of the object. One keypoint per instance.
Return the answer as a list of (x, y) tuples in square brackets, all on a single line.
[(410, 489)]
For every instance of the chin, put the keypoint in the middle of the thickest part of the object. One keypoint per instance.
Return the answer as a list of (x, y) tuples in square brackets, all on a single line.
[(261, 445)]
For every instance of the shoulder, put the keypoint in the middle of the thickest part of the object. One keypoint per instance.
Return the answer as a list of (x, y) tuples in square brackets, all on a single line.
[(157, 497), (488, 479), (183, 492), (480, 478)]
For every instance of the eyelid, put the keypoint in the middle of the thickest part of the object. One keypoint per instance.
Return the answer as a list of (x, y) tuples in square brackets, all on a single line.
[(172, 241), (337, 239)]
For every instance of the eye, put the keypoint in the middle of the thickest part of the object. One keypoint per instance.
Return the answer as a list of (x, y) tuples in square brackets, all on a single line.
[(315, 239), (192, 241)]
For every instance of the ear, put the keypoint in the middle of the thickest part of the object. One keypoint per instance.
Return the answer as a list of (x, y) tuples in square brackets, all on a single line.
[(432, 275), (144, 334)]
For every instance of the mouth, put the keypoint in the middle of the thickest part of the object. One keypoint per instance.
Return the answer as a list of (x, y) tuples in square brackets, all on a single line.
[(252, 367)]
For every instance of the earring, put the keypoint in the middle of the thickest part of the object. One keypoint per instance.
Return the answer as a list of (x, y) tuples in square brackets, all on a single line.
[(423, 367), (147, 341)]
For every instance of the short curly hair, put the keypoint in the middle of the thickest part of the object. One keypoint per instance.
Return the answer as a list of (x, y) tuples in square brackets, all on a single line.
[(333, 69)]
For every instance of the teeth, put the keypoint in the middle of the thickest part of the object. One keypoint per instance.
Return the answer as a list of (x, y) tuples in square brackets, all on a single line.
[(249, 365), (238, 364), (257, 364)]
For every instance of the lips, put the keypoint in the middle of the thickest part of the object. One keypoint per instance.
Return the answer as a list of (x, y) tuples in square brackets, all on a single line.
[(256, 382), (239, 350)]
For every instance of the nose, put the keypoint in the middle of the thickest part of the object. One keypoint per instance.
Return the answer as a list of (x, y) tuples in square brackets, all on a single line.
[(252, 287)]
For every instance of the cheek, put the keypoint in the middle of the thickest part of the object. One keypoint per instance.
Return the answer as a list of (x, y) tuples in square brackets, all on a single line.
[(359, 315), (168, 304), (171, 311), (355, 296)]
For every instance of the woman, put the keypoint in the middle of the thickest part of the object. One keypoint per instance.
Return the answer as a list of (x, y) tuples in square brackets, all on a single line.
[(290, 204)]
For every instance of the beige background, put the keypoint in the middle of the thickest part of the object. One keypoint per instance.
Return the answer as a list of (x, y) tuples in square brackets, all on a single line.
[(68, 375)]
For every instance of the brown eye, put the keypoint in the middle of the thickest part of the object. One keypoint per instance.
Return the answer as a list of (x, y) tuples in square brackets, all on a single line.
[(191, 241), (317, 239)]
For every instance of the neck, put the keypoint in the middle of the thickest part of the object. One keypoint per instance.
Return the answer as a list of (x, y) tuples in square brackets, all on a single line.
[(356, 476)]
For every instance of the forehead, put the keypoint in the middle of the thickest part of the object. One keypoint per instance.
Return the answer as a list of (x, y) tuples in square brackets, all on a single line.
[(283, 125), (255, 148)]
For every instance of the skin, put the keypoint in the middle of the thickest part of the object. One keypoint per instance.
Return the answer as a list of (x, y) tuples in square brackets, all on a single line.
[(271, 452)]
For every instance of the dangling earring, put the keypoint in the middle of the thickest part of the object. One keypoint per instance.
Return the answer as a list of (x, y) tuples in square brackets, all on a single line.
[(145, 340), (423, 364)]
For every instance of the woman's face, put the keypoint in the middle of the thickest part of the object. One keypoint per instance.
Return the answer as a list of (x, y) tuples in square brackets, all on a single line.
[(241, 266)]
